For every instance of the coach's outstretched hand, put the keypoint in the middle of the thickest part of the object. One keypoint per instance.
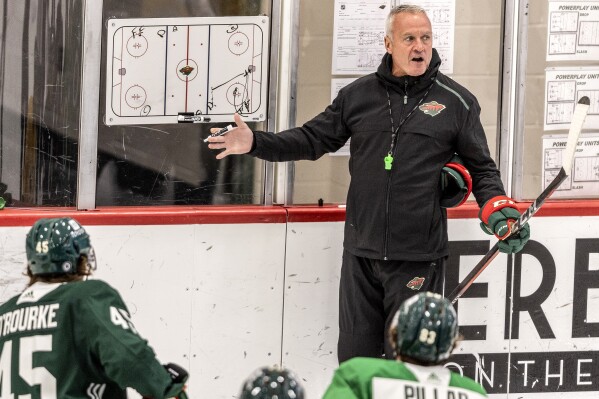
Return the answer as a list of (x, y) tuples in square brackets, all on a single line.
[(497, 216), (238, 140)]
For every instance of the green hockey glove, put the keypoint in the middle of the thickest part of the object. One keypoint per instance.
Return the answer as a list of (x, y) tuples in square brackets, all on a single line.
[(456, 183), (497, 216), (179, 377)]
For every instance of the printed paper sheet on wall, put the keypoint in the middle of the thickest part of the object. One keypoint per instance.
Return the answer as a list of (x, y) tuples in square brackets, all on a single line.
[(584, 178), (563, 88), (573, 31), (359, 33)]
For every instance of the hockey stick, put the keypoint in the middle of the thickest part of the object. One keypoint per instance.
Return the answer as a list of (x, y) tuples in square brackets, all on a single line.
[(580, 113)]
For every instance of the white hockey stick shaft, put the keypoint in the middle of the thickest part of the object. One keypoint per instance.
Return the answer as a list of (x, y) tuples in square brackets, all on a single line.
[(580, 113)]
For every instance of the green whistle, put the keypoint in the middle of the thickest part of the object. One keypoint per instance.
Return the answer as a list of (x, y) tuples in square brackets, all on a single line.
[(388, 162)]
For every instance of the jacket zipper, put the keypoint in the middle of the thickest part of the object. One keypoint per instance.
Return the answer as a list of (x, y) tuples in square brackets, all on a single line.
[(388, 196)]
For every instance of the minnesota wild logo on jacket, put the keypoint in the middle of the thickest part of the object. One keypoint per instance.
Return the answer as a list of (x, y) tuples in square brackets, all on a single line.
[(432, 108)]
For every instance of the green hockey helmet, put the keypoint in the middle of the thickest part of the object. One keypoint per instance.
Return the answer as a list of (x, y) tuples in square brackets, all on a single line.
[(427, 328), (54, 246), (272, 383)]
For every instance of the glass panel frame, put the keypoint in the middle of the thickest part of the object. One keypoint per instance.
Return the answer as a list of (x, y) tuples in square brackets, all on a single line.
[(528, 178), (477, 67), (39, 102), (69, 175), (170, 164)]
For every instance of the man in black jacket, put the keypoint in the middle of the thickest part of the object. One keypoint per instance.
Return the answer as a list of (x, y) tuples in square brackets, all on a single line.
[(406, 121)]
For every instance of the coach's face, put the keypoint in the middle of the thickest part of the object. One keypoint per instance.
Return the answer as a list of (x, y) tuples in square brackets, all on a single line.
[(410, 44)]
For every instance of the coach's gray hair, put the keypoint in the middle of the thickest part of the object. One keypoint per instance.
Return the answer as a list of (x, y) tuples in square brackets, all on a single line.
[(409, 8)]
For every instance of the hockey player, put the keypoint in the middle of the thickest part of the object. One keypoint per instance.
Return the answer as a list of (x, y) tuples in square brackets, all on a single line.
[(423, 335), (272, 383), (68, 337)]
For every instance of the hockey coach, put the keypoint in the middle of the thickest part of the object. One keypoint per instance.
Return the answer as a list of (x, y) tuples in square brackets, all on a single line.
[(406, 121)]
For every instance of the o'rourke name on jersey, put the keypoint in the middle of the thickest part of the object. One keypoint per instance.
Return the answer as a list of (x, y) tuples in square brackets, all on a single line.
[(29, 318), (386, 388)]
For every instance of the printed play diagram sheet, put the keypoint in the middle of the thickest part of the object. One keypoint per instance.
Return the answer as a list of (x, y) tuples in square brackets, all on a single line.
[(359, 35), (584, 179), (563, 88), (442, 16), (573, 30)]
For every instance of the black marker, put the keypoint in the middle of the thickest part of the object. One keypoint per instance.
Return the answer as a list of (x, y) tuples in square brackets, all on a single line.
[(190, 117), (221, 132)]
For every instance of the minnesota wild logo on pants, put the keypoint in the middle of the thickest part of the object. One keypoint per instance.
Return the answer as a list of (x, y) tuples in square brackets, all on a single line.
[(415, 283)]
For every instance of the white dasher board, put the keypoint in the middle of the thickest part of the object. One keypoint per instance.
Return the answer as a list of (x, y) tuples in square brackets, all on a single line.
[(157, 68)]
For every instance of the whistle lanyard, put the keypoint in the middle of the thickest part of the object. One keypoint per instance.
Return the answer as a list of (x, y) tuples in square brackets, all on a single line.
[(394, 132)]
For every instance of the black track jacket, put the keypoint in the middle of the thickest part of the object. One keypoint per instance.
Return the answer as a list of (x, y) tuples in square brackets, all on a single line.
[(395, 214)]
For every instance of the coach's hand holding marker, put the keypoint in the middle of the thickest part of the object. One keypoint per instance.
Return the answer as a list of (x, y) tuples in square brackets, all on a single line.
[(220, 132), (237, 140)]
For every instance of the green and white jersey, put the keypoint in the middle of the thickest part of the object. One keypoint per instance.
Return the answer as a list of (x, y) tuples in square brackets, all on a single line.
[(75, 340), (369, 378)]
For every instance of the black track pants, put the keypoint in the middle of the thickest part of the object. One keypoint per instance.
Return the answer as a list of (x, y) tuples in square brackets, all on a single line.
[(370, 293)]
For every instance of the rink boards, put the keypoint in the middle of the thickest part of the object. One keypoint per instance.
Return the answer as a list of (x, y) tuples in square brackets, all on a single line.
[(224, 291)]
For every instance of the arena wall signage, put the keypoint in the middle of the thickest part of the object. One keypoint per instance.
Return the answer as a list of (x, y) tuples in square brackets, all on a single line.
[(530, 324)]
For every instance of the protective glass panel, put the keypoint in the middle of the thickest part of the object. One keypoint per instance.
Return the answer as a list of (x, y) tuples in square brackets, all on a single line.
[(476, 66), (40, 61), (166, 164), (562, 53)]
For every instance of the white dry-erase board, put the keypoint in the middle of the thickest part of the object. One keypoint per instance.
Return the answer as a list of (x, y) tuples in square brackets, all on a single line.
[(157, 68)]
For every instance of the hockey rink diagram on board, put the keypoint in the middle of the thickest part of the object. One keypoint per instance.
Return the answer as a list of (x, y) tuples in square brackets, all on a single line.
[(157, 68)]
